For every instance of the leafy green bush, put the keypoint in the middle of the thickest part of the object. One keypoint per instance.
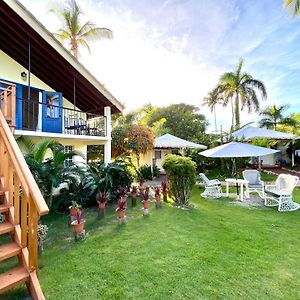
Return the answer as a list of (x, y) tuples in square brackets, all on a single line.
[(147, 173), (181, 172)]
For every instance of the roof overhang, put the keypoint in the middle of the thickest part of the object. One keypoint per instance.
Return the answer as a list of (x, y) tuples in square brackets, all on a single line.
[(50, 61)]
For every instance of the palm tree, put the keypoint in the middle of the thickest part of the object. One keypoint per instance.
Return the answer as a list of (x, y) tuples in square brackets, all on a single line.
[(75, 33), (274, 116), (241, 88), (213, 98), (294, 5)]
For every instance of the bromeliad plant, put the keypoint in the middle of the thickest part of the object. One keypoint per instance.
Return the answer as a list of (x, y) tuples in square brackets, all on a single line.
[(78, 223), (157, 197), (122, 192), (145, 197), (164, 188), (102, 198), (74, 208), (133, 194), (121, 209)]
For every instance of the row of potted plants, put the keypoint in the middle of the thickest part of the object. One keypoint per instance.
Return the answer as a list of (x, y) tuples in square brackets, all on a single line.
[(76, 213)]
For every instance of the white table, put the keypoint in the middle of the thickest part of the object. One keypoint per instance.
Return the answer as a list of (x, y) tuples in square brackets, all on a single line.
[(235, 181)]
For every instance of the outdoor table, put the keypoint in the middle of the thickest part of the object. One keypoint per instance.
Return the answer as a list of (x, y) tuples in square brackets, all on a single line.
[(235, 181)]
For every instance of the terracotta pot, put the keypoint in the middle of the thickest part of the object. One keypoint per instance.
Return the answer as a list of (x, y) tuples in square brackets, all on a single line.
[(73, 211), (157, 197), (133, 195), (101, 204), (78, 228), (146, 204), (121, 214)]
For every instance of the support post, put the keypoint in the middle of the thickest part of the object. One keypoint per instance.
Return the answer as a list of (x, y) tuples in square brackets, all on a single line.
[(107, 145)]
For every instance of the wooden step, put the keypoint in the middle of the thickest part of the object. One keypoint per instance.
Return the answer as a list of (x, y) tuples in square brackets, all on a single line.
[(6, 227), (9, 250), (3, 208), (13, 278)]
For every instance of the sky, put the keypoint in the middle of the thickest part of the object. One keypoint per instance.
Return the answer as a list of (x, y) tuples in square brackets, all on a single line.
[(174, 51)]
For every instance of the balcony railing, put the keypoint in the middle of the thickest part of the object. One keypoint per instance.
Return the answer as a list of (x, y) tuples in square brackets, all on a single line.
[(7, 101), (38, 116)]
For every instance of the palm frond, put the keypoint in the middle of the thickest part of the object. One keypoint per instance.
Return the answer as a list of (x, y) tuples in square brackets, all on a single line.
[(293, 5)]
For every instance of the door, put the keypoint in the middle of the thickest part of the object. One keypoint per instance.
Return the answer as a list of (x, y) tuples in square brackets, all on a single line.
[(52, 112)]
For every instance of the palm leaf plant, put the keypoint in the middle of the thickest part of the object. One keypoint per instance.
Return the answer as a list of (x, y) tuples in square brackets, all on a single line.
[(76, 33), (241, 89)]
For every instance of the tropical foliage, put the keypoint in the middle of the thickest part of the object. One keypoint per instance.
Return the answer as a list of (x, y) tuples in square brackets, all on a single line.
[(76, 33), (181, 172), (132, 139), (49, 171), (293, 5), (241, 90), (212, 100), (274, 116)]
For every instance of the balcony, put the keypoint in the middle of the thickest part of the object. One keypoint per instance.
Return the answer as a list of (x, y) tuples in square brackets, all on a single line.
[(50, 117)]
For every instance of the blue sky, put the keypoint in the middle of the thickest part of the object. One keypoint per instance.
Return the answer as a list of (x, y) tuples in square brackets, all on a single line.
[(174, 51)]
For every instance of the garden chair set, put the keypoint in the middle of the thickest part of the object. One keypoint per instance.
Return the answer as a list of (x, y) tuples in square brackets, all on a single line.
[(278, 194)]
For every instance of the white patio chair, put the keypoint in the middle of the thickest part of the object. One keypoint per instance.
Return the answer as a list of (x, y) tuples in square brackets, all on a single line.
[(255, 184), (212, 187), (280, 194)]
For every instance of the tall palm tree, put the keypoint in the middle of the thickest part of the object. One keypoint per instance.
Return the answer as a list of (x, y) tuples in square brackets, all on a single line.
[(76, 33), (241, 88), (294, 5), (274, 116), (213, 98)]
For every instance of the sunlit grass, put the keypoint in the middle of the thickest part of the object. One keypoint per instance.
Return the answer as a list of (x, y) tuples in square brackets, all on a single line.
[(215, 251)]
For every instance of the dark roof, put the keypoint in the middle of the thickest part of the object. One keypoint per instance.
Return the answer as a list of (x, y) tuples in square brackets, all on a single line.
[(50, 61)]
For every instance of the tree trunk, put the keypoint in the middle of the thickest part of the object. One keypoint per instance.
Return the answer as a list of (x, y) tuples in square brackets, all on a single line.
[(237, 111), (216, 129)]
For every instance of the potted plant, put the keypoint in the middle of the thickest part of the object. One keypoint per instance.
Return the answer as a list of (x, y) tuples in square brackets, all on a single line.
[(74, 208), (123, 193), (121, 210), (141, 185), (102, 198), (133, 194), (146, 202), (78, 224), (157, 196), (164, 188)]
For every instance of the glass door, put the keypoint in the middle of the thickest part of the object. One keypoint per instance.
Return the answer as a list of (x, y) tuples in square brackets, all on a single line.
[(52, 112)]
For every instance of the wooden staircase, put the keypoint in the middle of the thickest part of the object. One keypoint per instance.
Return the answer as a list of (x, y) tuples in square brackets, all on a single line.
[(21, 204)]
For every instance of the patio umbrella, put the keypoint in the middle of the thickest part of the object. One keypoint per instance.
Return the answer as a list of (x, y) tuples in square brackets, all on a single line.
[(236, 149)]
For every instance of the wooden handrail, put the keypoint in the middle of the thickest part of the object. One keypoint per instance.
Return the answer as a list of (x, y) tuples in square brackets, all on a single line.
[(20, 166)]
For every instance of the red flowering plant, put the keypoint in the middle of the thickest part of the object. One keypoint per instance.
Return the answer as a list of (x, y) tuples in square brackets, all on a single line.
[(145, 194), (121, 206), (79, 217), (157, 192)]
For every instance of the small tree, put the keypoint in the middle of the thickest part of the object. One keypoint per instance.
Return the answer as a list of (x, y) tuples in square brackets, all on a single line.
[(140, 140), (181, 172)]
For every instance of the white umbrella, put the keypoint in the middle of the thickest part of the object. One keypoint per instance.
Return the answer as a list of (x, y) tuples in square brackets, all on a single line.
[(236, 149)]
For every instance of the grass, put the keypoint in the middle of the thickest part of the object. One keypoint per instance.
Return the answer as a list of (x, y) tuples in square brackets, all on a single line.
[(216, 251)]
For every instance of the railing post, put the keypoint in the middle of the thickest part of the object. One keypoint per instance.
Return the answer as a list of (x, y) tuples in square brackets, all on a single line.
[(17, 199), (24, 212), (10, 182), (33, 236)]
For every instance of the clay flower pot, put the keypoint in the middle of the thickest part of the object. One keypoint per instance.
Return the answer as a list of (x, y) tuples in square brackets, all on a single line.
[(121, 214), (78, 228), (146, 204), (73, 211), (157, 197), (101, 204)]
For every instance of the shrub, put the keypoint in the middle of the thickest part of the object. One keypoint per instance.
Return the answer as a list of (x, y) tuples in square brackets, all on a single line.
[(147, 173), (182, 177)]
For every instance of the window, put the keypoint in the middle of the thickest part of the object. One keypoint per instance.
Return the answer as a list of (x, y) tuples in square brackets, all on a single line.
[(175, 151), (69, 160), (157, 154)]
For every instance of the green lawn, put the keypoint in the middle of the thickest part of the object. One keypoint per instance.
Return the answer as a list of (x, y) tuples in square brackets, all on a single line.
[(216, 251)]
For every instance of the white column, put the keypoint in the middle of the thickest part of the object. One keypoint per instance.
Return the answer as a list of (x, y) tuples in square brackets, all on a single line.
[(107, 145)]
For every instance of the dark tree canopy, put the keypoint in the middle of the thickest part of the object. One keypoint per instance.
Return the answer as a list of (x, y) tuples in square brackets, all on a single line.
[(182, 120)]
